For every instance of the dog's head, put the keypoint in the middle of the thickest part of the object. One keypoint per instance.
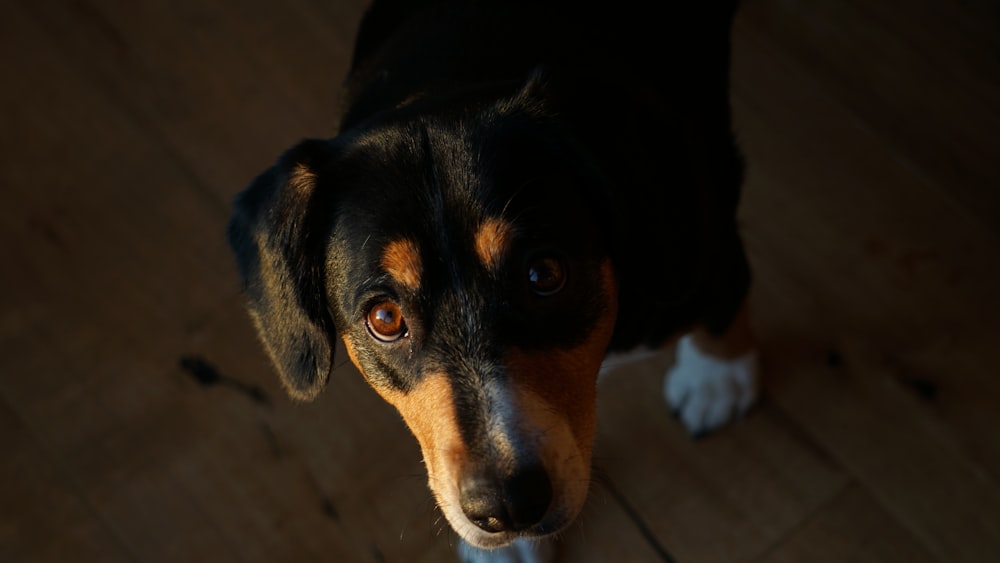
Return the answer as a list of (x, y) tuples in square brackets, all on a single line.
[(461, 256)]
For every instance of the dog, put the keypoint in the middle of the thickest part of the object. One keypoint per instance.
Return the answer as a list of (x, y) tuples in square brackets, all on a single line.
[(517, 192)]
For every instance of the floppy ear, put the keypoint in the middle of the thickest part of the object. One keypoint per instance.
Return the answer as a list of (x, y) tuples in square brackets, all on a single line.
[(279, 230)]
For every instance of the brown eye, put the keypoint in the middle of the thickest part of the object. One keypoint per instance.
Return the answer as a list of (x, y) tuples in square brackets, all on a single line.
[(546, 275), (385, 322)]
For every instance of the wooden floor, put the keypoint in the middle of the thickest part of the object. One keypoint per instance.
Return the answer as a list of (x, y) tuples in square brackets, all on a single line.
[(139, 420)]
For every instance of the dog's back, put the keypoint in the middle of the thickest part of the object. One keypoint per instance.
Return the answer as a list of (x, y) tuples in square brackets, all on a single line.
[(679, 52)]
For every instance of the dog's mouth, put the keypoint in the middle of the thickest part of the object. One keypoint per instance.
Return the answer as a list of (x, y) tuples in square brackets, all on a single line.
[(481, 539)]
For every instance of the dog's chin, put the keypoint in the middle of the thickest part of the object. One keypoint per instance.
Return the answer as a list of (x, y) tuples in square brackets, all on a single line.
[(558, 518), (553, 524)]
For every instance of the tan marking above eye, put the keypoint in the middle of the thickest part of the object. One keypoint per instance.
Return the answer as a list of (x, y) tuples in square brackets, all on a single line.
[(401, 260), (493, 241), (302, 178)]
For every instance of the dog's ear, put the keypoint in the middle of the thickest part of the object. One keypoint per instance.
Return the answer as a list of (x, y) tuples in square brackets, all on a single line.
[(279, 231)]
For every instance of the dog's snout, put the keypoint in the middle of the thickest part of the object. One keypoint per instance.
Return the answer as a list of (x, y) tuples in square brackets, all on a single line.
[(510, 504)]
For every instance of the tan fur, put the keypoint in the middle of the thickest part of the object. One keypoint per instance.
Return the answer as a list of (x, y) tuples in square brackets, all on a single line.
[(302, 179), (352, 352), (429, 412), (567, 379), (493, 241), (401, 260)]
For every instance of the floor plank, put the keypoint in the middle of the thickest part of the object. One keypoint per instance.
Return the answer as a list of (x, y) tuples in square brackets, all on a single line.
[(870, 418), (227, 86), (915, 470), (102, 230), (43, 515), (704, 499), (870, 246), (922, 76), (852, 527)]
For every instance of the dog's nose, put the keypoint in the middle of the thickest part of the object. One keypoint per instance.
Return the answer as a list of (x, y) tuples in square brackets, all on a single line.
[(506, 505)]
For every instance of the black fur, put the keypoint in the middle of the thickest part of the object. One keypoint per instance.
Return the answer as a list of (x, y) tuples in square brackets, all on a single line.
[(605, 134)]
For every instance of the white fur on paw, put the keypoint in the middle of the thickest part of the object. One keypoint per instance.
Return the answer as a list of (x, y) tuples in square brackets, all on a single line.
[(706, 392), (521, 551)]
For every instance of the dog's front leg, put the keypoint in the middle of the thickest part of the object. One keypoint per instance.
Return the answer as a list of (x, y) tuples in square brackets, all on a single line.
[(521, 551), (714, 378)]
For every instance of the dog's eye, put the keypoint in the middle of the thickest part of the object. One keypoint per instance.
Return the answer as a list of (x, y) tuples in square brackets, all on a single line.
[(385, 322), (546, 275)]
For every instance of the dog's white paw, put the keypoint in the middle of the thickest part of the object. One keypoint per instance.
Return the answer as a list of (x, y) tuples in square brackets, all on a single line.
[(706, 392), (521, 551)]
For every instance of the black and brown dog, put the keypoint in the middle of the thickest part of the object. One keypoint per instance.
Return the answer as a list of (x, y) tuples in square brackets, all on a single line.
[(517, 189)]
